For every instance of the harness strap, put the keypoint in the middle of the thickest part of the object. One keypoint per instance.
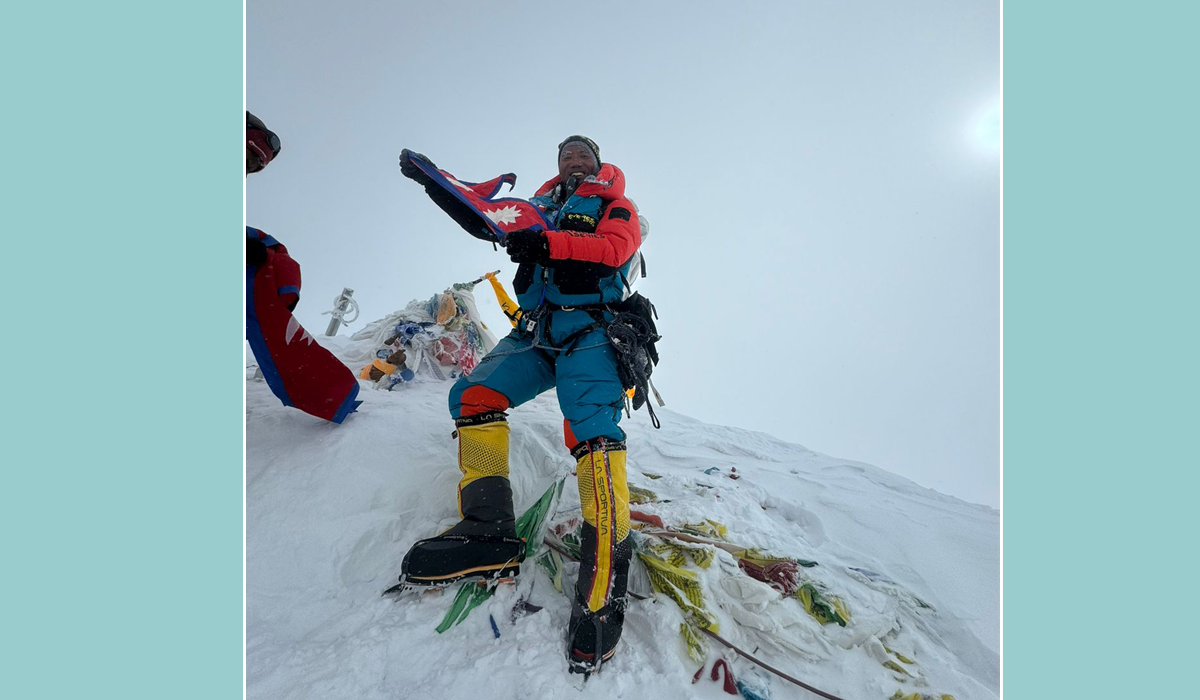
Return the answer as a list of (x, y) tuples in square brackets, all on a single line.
[(596, 311)]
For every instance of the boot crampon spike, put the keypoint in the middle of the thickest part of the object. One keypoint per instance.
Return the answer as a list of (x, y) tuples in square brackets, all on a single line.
[(592, 631)]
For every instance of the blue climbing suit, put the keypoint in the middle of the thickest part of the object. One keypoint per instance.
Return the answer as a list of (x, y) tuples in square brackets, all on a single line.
[(560, 341)]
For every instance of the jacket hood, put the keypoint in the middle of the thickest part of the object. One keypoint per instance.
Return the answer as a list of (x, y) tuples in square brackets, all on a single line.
[(607, 184)]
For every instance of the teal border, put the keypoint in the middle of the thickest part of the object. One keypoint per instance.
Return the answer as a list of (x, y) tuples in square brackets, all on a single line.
[(122, 459), (1101, 250), (122, 478)]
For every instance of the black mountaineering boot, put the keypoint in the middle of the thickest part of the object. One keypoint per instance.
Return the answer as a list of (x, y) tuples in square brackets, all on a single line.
[(477, 547), (592, 635), (484, 544)]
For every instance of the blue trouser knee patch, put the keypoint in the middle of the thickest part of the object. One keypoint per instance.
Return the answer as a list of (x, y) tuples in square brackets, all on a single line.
[(513, 368), (589, 390)]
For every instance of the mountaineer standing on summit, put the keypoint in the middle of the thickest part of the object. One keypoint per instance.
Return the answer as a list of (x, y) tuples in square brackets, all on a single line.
[(568, 283)]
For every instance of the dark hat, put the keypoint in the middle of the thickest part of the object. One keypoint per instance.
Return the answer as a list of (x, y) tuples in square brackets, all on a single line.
[(261, 140), (582, 141)]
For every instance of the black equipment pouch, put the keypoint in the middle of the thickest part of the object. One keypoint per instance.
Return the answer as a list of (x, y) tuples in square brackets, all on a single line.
[(633, 333)]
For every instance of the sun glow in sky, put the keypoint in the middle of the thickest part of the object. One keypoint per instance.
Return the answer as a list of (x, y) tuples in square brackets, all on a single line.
[(987, 131)]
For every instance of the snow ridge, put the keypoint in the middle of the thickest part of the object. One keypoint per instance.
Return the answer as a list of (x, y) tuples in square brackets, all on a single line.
[(332, 509)]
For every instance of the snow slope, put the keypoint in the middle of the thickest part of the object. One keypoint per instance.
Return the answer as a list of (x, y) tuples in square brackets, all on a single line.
[(331, 510)]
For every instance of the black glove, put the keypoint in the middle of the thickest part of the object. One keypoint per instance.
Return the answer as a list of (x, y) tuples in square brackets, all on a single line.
[(409, 169), (526, 246), (256, 252)]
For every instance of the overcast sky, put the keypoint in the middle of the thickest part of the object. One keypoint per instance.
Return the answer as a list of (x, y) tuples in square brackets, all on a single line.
[(822, 182)]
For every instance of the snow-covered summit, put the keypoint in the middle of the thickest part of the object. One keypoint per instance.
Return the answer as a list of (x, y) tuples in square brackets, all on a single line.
[(331, 510)]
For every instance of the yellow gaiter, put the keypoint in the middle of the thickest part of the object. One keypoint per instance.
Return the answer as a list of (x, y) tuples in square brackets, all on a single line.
[(482, 451), (604, 498)]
